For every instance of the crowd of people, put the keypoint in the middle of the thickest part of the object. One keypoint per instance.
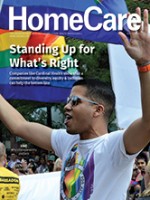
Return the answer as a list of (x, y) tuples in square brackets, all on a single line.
[(13, 166), (33, 165), (139, 187)]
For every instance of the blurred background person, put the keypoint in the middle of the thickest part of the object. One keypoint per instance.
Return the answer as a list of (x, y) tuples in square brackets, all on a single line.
[(141, 162), (32, 167), (9, 181), (145, 195), (134, 187), (13, 160), (51, 158), (57, 165), (43, 168), (18, 169), (24, 163)]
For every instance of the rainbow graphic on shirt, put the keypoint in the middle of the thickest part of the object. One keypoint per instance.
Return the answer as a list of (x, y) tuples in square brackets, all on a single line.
[(77, 176)]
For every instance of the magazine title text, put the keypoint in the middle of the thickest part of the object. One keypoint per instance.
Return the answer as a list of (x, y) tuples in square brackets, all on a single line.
[(75, 22)]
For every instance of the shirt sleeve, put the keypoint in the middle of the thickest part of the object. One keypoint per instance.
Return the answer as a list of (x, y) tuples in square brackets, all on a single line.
[(119, 156)]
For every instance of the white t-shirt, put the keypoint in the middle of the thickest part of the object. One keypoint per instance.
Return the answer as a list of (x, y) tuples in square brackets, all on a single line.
[(93, 169)]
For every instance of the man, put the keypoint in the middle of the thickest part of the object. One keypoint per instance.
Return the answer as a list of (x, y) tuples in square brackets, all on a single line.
[(13, 160), (43, 167), (142, 161), (9, 182), (96, 165), (145, 195)]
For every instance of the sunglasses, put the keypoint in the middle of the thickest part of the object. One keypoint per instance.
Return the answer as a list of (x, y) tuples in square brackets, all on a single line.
[(75, 100)]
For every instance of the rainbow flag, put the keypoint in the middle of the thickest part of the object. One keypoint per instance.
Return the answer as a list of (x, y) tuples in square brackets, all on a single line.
[(42, 83), (33, 81), (76, 27)]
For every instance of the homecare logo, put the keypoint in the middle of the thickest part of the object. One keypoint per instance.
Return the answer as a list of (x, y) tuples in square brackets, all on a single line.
[(76, 21)]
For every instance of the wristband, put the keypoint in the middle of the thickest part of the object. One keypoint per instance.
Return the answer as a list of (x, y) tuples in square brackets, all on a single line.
[(144, 68)]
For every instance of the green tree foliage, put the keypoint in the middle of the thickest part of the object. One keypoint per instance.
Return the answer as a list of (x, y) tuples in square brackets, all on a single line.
[(133, 4), (95, 65)]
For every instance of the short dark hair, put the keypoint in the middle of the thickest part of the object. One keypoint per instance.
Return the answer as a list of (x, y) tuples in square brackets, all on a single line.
[(142, 156), (100, 92)]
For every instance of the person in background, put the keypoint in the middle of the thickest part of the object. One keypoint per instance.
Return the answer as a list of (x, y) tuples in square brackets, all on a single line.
[(51, 158), (32, 167), (9, 181), (43, 168), (13, 160), (134, 187), (57, 165), (141, 162), (18, 169), (24, 163), (145, 195)]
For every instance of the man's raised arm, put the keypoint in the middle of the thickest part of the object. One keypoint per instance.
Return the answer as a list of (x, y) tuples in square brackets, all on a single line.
[(35, 133), (137, 136)]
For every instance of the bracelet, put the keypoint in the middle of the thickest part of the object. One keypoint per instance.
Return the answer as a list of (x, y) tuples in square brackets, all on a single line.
[(144, 68), (144, 64)]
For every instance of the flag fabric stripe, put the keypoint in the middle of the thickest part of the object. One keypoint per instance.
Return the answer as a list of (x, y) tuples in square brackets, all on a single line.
[(41, 38), (52, 88), (4, 58), (4, 31), (58, 42), (7, 72), (13, 37), (42, 93), (72, 4), (33, 83), (27, 39), (110, 5)]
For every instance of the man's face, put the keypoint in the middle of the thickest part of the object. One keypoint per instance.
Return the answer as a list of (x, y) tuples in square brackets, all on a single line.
[(13, 156), (79, 116), (141, 164)]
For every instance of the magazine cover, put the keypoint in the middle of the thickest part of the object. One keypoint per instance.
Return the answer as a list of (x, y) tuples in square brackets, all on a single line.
[(45, 47)]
